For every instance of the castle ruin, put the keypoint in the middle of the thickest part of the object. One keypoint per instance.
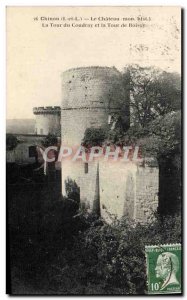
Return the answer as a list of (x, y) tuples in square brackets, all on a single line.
[(91, 98)]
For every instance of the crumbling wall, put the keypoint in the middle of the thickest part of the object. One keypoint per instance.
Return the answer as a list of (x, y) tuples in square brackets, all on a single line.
[(113, 180), (129, 190), (90, 191), (88, 99), (147, 187), (114, 189), (20, 154), (130, 196)]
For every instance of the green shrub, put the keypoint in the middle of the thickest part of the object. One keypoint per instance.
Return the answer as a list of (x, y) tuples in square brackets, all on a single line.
[(110, 259), (72, 190)]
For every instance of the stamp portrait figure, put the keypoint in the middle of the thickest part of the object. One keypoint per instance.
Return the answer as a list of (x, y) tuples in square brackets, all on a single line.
[(167, 267)]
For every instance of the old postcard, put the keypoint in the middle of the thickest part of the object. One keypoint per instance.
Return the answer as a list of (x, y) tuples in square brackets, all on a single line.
[(93, 150)]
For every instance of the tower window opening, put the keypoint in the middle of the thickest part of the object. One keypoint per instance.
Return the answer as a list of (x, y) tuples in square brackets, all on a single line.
[(86, 168)]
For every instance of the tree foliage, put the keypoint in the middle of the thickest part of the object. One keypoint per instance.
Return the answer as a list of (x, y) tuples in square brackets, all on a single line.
[(94, 137), (110, 259), (11, 141), (50, 140), (164, 135), (153, 93)]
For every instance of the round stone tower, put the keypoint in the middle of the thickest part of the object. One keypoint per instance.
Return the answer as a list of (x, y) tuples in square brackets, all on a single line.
[(47, 120), (91, 97)]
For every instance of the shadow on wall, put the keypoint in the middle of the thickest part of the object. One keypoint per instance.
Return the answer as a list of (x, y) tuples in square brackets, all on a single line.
[(169, 187), (72, 190), (128, 210)]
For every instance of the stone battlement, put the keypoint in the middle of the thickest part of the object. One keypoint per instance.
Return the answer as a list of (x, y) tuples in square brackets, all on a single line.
[(47, 110)]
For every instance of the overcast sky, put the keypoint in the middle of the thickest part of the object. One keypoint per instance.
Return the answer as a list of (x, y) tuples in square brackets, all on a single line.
[(38, 55)]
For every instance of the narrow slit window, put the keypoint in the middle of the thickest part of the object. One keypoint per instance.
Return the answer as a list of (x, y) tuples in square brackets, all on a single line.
[(85, 168)]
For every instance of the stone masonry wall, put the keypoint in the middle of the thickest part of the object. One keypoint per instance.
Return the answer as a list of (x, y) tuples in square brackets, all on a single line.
[(89, 96), (90, 87), (47, 123), (128, 190), (147, 184), (75, 122), (47, 120), (87, 100)]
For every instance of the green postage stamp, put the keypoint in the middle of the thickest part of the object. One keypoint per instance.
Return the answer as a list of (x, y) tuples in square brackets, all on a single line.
[(163, 268)]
